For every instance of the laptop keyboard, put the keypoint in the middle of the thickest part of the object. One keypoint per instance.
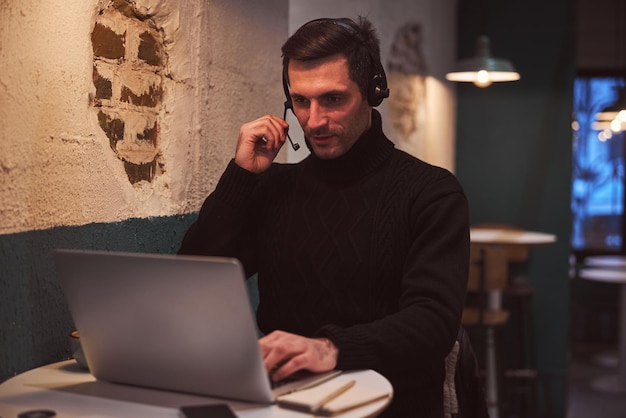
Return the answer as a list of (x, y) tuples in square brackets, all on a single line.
[(283, 382), (299, 375)]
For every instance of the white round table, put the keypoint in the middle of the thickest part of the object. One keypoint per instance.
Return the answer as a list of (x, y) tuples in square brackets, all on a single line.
[(608, 358), (610, 261), (70, 391), (610, 270)]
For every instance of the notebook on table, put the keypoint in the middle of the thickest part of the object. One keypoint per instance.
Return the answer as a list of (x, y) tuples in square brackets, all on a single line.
[(179, 323)]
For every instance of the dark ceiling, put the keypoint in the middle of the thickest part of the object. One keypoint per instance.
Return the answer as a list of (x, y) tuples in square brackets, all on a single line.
[(601, 36)]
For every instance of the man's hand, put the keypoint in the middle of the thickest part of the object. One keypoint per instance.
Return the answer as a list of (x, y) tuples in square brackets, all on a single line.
[(259, 143), (285, 353)]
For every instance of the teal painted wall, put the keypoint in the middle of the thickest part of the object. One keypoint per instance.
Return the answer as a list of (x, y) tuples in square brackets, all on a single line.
[(34, 320), (514, 154)]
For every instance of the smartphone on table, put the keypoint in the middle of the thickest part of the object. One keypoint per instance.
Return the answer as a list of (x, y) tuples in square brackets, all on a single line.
[(206, 411)]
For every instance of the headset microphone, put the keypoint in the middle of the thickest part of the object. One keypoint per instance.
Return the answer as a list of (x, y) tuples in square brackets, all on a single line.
[(288, 105)]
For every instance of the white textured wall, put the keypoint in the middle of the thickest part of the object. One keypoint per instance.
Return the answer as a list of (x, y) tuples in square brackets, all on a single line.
[(434, 142), (56, 164)]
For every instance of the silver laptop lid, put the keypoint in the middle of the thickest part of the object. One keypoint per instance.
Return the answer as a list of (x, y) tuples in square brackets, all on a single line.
[(179, 323)]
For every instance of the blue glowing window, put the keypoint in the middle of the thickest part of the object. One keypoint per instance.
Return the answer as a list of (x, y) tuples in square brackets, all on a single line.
[(598, 169)]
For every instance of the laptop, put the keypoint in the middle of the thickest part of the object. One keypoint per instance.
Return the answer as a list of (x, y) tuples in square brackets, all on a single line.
[(178, 323)]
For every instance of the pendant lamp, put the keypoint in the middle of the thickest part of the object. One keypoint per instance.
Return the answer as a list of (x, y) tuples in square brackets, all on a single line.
[(483, 69)]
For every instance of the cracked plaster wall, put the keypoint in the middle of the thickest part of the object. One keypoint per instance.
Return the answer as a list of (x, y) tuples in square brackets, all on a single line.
[(205, 68)]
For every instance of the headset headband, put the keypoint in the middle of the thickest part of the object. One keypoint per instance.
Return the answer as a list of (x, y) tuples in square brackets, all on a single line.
[(377, 89)]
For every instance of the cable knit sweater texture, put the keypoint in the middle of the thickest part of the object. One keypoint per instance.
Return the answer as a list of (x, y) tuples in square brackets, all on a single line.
[(369, 249)]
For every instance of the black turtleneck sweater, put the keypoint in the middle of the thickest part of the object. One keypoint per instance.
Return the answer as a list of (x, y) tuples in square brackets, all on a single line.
[(369, 249)]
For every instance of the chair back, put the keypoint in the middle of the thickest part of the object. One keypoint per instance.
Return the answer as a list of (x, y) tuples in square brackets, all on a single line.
[(489, 268), (488, 272)]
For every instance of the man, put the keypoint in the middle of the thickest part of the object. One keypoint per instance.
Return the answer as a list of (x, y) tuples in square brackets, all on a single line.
[(361, 250)]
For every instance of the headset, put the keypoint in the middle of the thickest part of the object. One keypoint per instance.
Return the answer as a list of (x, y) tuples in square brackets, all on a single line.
[(377, 89)]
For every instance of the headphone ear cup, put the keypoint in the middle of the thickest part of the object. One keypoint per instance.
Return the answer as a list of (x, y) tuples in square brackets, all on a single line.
[(378, 90)]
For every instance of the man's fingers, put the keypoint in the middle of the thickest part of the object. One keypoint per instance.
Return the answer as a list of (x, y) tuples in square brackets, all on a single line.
[(285, 353), (287, 368)]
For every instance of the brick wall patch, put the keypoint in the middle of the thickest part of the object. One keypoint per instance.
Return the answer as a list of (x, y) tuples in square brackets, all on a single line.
[(129, 69)]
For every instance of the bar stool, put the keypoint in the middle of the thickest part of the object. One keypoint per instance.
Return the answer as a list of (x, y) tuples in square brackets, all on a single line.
[(484, 317), (521, 370)]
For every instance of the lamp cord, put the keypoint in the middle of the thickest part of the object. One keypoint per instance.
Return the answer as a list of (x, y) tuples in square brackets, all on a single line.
[(483, 18)]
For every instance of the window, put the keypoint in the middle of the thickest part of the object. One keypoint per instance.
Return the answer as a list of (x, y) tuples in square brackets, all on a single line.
[(598, 169)]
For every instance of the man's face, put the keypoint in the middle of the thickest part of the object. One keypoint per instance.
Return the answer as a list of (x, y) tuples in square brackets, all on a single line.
[(328, 105)]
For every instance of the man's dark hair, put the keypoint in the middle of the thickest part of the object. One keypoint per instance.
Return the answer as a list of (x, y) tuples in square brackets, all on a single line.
[(321, 38)]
